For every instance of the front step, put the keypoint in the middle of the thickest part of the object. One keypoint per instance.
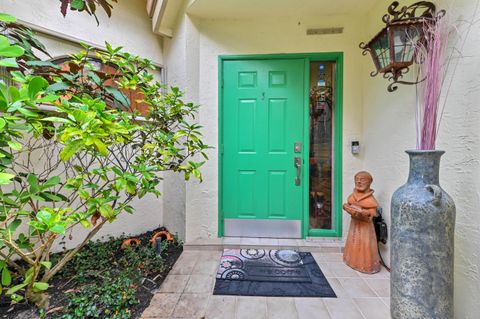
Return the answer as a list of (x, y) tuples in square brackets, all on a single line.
[(324, 245)]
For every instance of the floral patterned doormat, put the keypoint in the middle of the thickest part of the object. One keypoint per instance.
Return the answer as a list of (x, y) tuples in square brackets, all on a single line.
[(259, 272)]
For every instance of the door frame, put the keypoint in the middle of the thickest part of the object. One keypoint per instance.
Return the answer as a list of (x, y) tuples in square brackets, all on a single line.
[(337, 57)]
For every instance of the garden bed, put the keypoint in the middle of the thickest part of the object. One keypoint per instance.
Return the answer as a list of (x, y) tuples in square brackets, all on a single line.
[(104, 281)]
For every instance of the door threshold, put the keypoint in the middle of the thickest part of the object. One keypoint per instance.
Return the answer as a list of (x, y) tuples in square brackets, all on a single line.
[(322, 245)]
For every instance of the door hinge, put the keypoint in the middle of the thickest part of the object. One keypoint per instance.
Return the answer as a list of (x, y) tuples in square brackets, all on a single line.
[(221, 149)]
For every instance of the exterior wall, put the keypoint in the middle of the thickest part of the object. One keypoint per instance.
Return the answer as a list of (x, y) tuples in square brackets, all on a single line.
[(389, 129), (232, 37), (182, 71), (127, 18)]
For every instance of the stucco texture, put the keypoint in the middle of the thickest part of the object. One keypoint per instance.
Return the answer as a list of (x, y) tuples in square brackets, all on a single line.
[(389, 129)]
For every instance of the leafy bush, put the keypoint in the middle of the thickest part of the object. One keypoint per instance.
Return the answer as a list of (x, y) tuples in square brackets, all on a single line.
[(85, 161), (105, 278)]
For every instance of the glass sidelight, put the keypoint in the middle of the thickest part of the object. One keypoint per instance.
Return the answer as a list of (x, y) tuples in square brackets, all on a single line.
[(322, 108)]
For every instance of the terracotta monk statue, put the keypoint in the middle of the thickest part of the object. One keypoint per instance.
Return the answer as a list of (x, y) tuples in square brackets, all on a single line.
[(361, 250)]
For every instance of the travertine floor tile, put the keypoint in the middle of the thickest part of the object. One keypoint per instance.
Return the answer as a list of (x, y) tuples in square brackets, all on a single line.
[(269, 241), (311, 308), (281, 308), (199, 284), (326, 269), (340, 270), (250, 241), (386, 301), (372, 308), (232, 240), (288, 243), (380, 286), (189, 295), (342, 309), (251, 308), (174, 283), (338, 288), (186, 263), (161, 305), (191, 306), (221, 307), (328, 257), (208, 267), (356, 288)]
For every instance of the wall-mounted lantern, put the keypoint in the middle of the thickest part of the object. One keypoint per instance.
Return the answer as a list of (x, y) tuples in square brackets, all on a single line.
[(394, 48)]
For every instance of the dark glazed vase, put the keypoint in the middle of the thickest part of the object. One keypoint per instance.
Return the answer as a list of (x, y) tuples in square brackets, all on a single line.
[(423, 222)]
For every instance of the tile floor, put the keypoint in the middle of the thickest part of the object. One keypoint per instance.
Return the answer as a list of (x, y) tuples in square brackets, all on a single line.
[(187, 293)]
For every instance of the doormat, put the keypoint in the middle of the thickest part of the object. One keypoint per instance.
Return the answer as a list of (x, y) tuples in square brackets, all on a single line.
[(281, 273)]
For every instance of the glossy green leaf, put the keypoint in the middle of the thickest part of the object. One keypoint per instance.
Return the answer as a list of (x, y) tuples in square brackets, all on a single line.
[(11, 51), (77, 4), (8, 62), (40, 286), (6, 277), (107, 211), (59, 86), (46, 264), (12, 227), (14, 145), (85, 223), (119, 96), (101, 147), (6, 178), (7, 18), (36, 85), (59, 229), (43, 63), (52, 181), (33, 182), (53, 197), (69, 150), (57, 119)]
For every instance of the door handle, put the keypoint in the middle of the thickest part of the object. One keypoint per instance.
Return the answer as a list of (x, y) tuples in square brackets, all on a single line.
[(297, 162)]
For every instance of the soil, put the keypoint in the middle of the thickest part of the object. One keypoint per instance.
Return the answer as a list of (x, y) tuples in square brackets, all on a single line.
[(60, 286)]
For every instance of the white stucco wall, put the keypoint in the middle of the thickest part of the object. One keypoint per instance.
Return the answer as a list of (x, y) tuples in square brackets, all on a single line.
[(229, 37), (129, 25), (389, 129), (128, 18), (181, 72)]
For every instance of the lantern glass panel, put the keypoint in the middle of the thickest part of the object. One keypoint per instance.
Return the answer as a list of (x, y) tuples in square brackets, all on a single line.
[(405, 39), (381, 50)]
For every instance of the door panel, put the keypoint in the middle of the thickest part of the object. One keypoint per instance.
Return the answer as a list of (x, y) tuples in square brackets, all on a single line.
[(262, 118)]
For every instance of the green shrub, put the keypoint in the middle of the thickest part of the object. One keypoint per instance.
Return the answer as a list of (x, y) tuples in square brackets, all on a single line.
[(96, 157)]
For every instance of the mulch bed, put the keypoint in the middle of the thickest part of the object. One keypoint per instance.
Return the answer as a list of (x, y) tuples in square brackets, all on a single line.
[(61, 285)]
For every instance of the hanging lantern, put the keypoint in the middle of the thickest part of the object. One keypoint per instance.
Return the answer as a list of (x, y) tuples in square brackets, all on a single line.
[(393, 49)]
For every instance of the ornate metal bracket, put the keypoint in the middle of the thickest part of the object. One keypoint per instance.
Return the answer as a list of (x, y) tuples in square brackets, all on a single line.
[(416, 13)]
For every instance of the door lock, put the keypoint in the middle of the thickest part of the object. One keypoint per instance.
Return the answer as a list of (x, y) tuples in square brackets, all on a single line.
[(297, 147), (298, 165)]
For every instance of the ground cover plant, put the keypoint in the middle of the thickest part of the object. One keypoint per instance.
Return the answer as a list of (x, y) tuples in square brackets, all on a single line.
[(105, 281), (75, 153)]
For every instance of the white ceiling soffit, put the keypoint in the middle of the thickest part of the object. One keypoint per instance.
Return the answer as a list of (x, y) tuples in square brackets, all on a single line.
[(251, 9), (164, 15)]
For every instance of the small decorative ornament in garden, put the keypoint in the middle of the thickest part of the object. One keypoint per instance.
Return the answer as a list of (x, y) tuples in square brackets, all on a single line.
[(423, 214), (361, 250)]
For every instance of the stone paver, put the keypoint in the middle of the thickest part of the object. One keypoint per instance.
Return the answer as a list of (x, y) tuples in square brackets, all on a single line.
[(187, 292)]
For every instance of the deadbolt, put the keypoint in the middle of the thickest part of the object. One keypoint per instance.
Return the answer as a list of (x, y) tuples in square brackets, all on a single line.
[(297, 147)]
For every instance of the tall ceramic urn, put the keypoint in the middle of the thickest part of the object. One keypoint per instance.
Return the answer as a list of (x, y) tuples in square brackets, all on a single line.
[(423, 221)]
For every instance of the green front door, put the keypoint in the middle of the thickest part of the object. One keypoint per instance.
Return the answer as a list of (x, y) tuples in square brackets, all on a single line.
[(263, 152)]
